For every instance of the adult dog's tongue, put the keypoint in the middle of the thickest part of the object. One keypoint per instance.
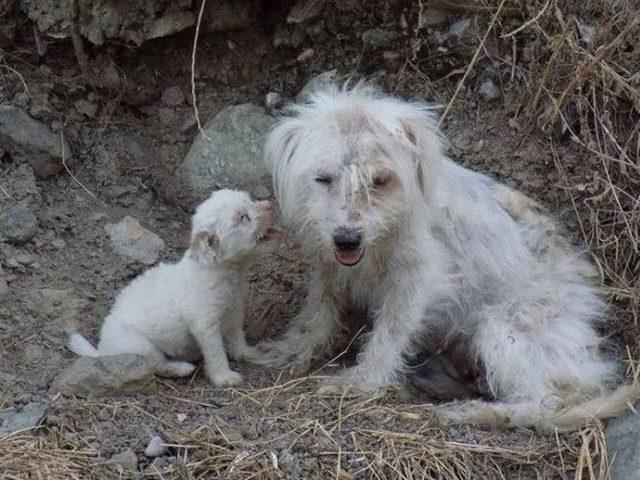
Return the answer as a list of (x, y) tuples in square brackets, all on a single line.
[(348, 257)]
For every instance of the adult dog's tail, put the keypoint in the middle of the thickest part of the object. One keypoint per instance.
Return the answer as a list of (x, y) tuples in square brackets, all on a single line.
[(529, 414), (81, 346)]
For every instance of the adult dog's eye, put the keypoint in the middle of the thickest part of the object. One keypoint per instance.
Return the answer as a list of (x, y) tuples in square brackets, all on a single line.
[(324, 179), (244, 218), (379, 181)]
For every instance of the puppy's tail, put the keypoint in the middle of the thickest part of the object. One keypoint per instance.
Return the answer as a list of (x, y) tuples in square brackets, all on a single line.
[(81, 346), (529, 414)]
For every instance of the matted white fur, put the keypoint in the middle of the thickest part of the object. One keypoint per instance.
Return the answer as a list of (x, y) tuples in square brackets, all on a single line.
[(175, 313), (393, 225)]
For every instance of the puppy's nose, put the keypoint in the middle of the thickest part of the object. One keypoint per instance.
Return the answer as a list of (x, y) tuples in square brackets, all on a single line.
[(347, 240)]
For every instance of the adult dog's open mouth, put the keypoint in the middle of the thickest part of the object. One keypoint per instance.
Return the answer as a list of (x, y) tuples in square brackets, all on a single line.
[(349, 258)]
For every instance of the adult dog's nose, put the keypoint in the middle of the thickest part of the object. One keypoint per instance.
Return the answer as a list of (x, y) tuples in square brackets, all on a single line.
[(347, 240)]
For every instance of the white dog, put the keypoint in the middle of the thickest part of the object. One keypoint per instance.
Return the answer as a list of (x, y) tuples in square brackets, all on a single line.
[(434, 252), (174, 313)]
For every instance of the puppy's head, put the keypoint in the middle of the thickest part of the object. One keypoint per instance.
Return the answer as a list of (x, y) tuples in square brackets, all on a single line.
[(350, 167), (230, 227)]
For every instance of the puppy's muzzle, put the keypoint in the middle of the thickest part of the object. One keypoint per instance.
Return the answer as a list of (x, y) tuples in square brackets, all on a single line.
[(348, 243)]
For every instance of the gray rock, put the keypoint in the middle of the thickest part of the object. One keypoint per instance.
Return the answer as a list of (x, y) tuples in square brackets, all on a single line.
[(17, 224), (117, 374), (623, 447), (33, 139), (132, 240), (273, 100), (315, 84), (156, 447), (231, 153), (28, 417), (460, 28), (488, 90), (28, 259), (126, 459), (378, 38)]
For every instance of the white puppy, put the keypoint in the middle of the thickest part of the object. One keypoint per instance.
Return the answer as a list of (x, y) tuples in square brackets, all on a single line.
[(174, 313), (437, 254)]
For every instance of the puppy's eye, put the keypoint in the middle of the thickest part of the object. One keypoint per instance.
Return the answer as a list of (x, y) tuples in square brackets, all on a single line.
[(324, 179), (244, 218)]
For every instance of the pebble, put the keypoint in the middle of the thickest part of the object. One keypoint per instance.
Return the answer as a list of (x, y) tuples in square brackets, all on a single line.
[(307, 54), (18, 225), (488, 90), (156, 447)]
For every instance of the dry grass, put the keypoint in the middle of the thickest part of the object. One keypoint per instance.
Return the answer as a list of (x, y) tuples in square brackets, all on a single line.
[(302, 435), (583, 82)]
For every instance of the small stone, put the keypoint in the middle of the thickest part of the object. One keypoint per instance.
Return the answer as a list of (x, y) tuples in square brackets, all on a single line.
[(378, 38), (130, 239), (315, 84), (17, 225), (231, 45), (156, 447), (181, 417), (587, 32), (273, 100), (488, 90), (173, 96), (28, 417), (94, 377), (306, 54), (623, 446), (127, 459), (460, 28)]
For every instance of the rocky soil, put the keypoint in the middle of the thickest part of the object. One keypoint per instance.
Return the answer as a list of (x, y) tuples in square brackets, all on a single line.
[(99, 172)]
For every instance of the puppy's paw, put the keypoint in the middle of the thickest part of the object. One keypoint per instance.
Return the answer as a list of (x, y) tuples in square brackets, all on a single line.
[(225, 378)]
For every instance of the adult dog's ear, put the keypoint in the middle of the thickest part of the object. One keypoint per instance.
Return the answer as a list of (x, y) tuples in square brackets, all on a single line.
[(205, 247)]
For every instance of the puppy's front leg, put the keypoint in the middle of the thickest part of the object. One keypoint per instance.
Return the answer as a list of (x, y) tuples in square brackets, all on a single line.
[(208, 334), (311, 330), (236, 341), (396, 325)]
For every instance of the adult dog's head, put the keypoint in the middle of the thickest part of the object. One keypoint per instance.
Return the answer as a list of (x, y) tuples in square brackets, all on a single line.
[(350, 167)]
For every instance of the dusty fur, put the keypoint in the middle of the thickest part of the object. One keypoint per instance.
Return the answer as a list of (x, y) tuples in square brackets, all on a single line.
[(441, 248)]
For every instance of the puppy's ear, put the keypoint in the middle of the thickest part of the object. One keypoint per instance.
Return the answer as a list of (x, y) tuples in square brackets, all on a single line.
[(205, 247)]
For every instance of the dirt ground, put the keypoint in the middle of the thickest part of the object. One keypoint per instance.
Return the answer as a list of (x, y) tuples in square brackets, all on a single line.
[(125, 155)]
